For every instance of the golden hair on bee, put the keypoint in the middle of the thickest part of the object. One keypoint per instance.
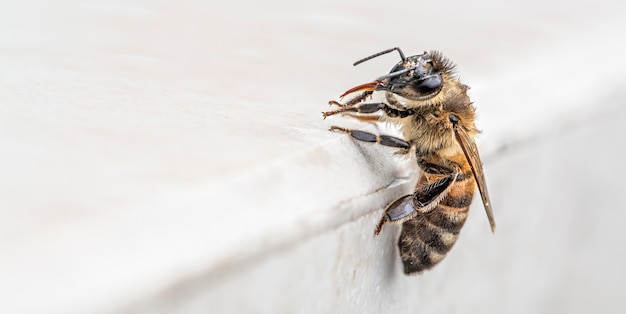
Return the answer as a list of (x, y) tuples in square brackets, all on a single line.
[(425, 98)]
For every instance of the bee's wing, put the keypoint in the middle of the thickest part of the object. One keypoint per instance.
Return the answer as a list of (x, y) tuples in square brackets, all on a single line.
[(471, 153)]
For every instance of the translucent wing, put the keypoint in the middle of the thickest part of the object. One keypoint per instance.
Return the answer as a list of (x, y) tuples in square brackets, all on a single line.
[(471, 153)]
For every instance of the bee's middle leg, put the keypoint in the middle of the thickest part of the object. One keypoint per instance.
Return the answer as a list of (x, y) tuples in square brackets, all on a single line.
[(385, 140)]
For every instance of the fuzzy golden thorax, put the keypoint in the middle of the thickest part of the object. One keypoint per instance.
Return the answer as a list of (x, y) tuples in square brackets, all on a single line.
[(429, 129)]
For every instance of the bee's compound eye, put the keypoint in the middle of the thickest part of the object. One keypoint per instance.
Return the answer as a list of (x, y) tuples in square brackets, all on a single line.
[(453, 118), (428, 85)]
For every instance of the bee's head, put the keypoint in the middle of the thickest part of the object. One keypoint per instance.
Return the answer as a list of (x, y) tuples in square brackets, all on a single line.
[(418, 77)]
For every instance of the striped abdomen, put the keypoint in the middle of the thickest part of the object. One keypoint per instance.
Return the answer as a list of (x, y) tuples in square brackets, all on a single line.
[(426, 239)]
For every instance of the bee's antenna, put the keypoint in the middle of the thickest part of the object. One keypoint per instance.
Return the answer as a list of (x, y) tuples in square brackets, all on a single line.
[(394, 74), (380, 54)]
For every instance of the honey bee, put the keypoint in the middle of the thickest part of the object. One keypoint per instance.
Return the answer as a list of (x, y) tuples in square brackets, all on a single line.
[(436, 118)]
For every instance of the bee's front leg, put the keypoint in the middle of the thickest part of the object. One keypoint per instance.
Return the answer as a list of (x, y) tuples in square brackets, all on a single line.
[(372, 108), (360, 108), (348, 106)]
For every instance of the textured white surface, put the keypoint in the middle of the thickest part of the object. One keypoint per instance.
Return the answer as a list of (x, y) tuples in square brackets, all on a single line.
[(171, 157)]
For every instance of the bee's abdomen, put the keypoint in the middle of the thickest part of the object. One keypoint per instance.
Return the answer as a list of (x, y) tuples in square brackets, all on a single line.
[(426, 239)]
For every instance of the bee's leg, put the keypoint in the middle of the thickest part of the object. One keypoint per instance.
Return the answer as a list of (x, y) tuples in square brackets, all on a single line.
[(349, 104), (399, 208), (361, 97), (366, 118), (423, 200), (360, 108), (371, 108), (384, 140)]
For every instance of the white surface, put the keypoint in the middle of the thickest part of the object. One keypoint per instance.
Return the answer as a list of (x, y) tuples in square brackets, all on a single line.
[(172, 157), (558, 249)]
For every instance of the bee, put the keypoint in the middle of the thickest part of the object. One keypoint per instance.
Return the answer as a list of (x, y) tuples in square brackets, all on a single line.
[(425, 98)]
